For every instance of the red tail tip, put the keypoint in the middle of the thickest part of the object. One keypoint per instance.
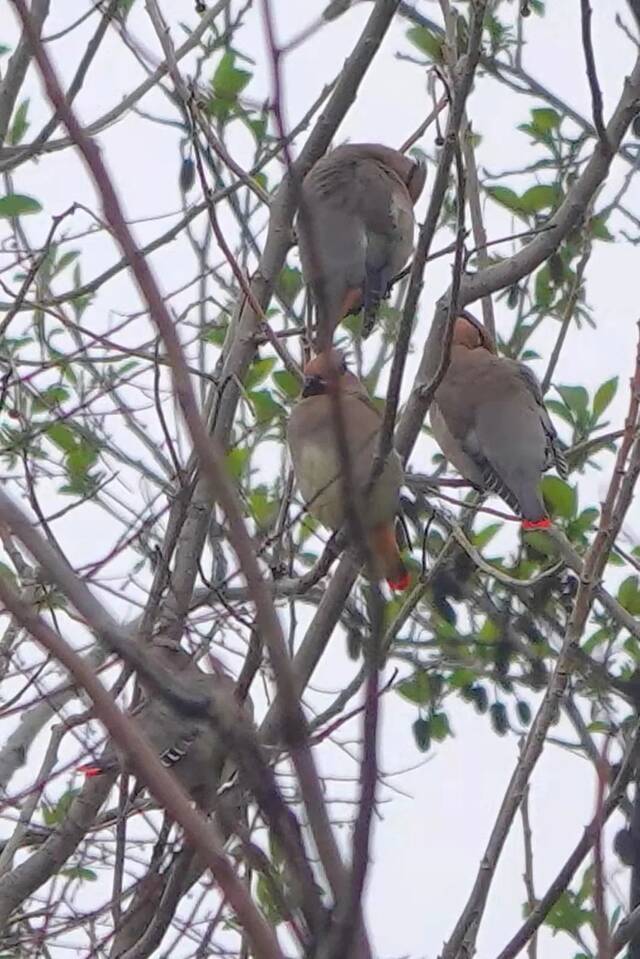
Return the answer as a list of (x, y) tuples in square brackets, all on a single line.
[(89, 770), (536, 524), (401, 582)]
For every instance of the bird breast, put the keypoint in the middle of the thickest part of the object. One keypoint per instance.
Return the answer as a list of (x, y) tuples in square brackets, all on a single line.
[(318, 467)]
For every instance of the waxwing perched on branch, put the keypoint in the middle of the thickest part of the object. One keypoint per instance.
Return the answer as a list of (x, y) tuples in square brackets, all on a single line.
[(355, 229), (189, 746), (490, 421), (317, 462)]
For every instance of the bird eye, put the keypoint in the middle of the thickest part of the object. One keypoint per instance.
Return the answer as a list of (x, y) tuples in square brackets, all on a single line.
[(313, 386)]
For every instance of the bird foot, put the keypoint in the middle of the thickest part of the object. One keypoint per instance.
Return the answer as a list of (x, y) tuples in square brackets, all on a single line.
[(528, 524), (401, 583)]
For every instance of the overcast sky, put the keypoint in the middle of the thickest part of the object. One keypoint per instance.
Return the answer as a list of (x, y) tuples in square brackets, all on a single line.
[(429, 839)]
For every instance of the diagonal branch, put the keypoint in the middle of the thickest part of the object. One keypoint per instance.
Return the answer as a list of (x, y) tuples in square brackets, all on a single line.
[(592, 76)]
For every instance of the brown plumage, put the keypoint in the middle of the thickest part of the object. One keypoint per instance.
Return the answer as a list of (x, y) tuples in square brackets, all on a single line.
[(355, 229), (490, 421), (313, 443)]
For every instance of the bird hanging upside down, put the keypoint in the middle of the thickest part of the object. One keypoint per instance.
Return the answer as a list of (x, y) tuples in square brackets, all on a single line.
[(355, 230), (490, 421), (317, 462), (189, 746)]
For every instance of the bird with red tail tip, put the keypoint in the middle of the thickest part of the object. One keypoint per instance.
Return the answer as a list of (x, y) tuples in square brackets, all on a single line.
[(187, 745), (355, 230), (490, 421), (318, 467)]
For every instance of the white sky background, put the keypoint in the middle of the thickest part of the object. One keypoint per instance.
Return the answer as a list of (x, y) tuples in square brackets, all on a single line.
[(429, 843)]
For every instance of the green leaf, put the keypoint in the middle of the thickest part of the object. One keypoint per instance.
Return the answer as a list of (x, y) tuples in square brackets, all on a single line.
[(629, 595), (439, 727), (603, 397), (53, 815), (417, 689), (560, 410), (576, 397), (426, 42), (259, 371), (598, 228), (289, 283), (258, 126), (62, 436), (263, 509), (237, 459), (586, 519), (599, 726), (80, 460), (484, 536), (66, 260), (228, 81), (79, 872), (540, 197), (267, 900), (524, 712), (543, 291), (216, 334), (541, 542), (566, 915), (18, 204), (560, 497), (265, 407), (287, 383), (545, 119), (20, 123), (488, 632), (53, 396), (461, 678), (422, 735), (506, 197)]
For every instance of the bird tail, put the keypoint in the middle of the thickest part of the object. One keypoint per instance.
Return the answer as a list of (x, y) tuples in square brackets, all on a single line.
[(90, 769), (532, 509), (382, 540), (529, 524)]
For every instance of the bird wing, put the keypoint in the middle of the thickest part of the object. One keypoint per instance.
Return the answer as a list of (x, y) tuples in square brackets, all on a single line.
[(555, 454)]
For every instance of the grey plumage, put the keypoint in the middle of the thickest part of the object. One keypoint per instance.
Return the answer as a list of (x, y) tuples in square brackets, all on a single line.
[(187, 745), (490, 421), (355, 229)]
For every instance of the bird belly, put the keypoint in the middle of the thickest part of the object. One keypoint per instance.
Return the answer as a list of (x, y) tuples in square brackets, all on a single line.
[(452, 448), (318, 475)]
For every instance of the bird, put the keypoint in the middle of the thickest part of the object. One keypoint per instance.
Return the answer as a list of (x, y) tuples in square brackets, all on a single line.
[(317, 463), (187, 745), (355, 230), (489, 419)]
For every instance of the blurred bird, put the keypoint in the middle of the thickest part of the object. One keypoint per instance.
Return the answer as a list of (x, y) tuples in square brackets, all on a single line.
[(318, 466), (489, 418), (355, 230), (189, 746)]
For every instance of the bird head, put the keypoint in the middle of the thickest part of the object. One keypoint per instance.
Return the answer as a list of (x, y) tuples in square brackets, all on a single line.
[(327, 367), (413, 173), (471, 334), (170, 653)]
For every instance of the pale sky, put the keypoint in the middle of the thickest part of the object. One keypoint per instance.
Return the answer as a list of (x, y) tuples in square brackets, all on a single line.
[(429, 839)]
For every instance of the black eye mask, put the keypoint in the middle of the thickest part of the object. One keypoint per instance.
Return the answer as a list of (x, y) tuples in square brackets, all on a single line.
[(313, 386)]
